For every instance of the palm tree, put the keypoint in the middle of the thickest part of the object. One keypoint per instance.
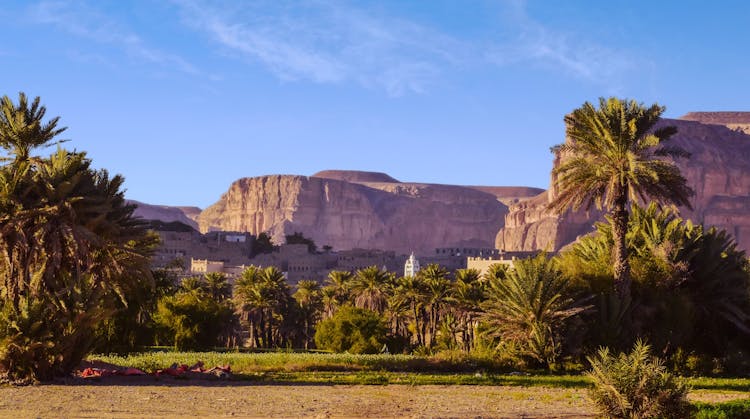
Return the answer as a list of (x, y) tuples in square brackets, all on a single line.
[(276, 293), (22, 127), (466, 297), (309, 299), (531, 307), (263, 297), (437, 293), (70, 248), (251, 303), (495, 272), (217, 285), (340, 282), (371, 287), (192, 284), (329, 298), (411, 291), (690, 283), (614, 154)]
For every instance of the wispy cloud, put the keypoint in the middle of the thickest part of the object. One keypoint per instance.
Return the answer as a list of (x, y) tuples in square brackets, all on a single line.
[(570, 53), (81, 20), (332, 41), (328, 42)]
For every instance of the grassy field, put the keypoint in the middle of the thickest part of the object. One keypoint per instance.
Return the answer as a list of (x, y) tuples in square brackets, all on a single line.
[(324, 368), (337, 385)]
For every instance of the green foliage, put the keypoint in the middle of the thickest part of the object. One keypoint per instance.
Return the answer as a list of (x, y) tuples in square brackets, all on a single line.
[(310, 304), (370, 288), (132, 326), (689, 285), (614, 151), (195, 317), (736, 409), (636, 385), (266, 307), (615, 155), (71, 251), (353, 330), (298, 238), (531, 308), (263, 244)]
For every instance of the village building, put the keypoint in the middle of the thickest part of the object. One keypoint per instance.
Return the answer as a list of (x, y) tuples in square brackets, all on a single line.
[(411, 267)]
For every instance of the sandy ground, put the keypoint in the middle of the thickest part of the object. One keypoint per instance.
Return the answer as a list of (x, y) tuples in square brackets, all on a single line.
[(255, 400), (150, 398)]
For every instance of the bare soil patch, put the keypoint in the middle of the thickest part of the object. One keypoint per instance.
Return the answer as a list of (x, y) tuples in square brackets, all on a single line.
[(131, 397), (214, 399)]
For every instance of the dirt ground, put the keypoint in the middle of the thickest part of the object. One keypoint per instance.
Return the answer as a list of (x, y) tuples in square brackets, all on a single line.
[(172, 398)]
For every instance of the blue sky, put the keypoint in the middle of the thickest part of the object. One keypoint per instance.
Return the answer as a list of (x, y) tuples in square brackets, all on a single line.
[(182, 97)]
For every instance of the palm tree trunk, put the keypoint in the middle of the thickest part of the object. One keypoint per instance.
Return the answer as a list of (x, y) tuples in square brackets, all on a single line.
[(416, 326), (621, 266), (307, 331)]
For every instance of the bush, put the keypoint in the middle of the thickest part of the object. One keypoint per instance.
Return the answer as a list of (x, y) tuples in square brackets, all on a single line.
[(636, 385), (353, 330)]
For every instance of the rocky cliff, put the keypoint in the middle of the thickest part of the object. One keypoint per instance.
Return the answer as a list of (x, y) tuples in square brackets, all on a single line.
[(718, 170), (349, 209)]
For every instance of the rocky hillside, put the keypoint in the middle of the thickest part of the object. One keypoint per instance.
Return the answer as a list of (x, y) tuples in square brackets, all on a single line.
[(718, 171), (350, 209), (167, 214)]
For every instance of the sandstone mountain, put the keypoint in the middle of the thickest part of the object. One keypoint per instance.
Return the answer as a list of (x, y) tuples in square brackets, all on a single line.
[(351, 209), (718, 170), (166, 213)]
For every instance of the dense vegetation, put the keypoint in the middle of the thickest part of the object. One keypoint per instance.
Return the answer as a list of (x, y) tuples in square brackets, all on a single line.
[(70, 251), (689, 300)]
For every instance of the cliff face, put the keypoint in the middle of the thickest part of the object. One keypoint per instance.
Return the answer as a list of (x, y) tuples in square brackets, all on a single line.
[(358, 210), (718, 171)]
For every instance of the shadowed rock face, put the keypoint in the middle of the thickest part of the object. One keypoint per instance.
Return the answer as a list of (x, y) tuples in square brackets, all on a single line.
[(358, 210), (166, 214), (718, 171)]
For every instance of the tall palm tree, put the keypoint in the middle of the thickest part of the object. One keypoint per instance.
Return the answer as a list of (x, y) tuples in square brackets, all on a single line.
[(467, 295), (251, 303), (615, 155), (276, 292), (310, 301), (411, 291), (437, 293)]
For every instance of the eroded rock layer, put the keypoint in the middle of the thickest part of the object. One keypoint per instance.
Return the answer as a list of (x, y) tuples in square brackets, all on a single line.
[(349, 210)]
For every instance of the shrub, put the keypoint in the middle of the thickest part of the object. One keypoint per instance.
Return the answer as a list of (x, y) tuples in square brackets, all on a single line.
[(636, 385), (353, 330)]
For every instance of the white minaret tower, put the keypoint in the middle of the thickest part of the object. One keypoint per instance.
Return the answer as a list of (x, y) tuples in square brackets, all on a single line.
[(412, 266)]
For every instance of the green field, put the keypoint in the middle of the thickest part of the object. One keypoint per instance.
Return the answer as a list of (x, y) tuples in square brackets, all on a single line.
[(326, 368)]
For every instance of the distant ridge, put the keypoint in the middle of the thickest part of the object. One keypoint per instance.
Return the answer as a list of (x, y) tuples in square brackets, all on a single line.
[(356, 176), (720, 118)]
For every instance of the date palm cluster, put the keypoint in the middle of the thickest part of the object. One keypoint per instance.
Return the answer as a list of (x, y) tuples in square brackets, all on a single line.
[(70, 248)]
